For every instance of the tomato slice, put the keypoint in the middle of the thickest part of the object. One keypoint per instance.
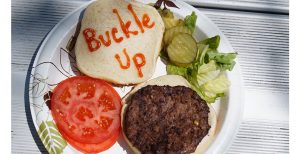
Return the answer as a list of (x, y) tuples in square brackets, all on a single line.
[(86, 110), (93, 148)]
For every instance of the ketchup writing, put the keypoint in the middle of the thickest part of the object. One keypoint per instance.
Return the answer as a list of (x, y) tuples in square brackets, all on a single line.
[(124, 27), (117, 56), (143, 23), (138, 59), (139, 65), (114, 31), (94, 44), (108, 41), (89, 35), (137, 20)]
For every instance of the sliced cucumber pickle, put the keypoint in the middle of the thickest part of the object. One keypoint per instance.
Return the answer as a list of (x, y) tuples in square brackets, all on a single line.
[(180, 22), (172, 32), (182, 49), (166, 13), (170, 22)]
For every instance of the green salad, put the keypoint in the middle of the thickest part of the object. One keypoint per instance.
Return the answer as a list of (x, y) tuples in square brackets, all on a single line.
[(199, 62)]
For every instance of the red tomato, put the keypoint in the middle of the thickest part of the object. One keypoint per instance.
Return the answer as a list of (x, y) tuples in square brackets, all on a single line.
[(93, 148), (86, 110)]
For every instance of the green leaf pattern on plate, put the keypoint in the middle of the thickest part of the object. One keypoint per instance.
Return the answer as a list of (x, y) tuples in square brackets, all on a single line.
[(51, 138)]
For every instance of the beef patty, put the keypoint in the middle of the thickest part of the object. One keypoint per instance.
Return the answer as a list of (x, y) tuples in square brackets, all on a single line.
[(165, 119)]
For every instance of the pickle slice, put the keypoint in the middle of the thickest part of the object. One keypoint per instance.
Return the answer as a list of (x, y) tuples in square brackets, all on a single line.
[(172, 32), (182, 49), (166, 13), (170, 22), (180, 22)]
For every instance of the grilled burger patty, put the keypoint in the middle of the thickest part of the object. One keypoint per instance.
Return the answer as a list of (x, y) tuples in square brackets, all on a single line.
[(165, 119)]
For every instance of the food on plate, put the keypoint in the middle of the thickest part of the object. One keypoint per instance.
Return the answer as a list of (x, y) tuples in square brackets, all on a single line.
[(87, 113), (182, 49), (172, 32), (92, 147), (164, 115), (119, 41), (199, 62)]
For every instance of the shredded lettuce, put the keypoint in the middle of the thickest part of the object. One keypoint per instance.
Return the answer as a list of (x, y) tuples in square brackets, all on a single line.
[(225, 61), (211, 66), (213, 42), (218, 85), (190, 21), (205, 77), (202, 49), (175, 70), (225, 58), (209, 97), (206, 73), (224, 67)]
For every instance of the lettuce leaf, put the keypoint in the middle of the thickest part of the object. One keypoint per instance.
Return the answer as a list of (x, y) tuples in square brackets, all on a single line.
[(211, 66), (203, 78), (175, 70), (218, 85), (224, 58), (202, 49), (213, 42), (224, 67), (205, 74), (225, 61), (190, 21)]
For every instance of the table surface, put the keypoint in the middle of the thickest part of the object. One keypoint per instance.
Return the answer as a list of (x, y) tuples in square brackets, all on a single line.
[(257, 29)]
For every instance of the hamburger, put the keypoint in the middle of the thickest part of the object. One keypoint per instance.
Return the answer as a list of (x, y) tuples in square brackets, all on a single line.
[(119, 41), (164, 115)]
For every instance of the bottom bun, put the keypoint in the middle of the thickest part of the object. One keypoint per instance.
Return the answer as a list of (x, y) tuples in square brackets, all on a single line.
[(171, 80)]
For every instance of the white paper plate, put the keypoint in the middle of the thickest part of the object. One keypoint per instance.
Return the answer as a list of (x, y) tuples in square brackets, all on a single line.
[(53, 64)]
